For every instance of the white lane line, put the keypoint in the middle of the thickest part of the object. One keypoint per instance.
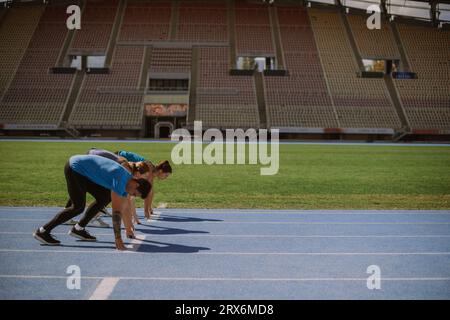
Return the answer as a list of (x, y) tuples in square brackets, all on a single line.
[(301, 237), (27, 276), (224, 213), (287, 142), (312, 223), (21, 220), (104, 289), (214, 212), (135, 244), (190, 211), (53, 233), (275, 222), (112, 251), (254, 235), (107, 284)]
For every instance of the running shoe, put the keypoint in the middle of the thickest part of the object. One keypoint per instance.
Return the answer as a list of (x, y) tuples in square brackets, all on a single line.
[(71, 222), (98, 223), (82, 235), (46, 238)]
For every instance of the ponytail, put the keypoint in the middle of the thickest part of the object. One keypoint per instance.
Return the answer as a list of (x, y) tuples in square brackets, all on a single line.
[(164, 167), (134, 168)]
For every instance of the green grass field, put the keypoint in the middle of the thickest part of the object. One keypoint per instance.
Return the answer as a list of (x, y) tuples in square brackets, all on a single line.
[(310, 177)]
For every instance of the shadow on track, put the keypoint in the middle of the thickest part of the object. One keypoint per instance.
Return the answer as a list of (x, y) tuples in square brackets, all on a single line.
[(164, 247), (172, 218), (157, 230), (146, 246)]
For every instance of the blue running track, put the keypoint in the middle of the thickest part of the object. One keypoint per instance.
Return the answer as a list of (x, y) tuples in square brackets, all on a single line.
[(234, 254)]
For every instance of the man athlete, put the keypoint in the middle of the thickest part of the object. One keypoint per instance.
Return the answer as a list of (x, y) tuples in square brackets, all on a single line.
[(106, 181)]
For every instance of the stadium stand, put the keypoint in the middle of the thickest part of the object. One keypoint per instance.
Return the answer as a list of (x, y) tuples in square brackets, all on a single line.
[(16, 31), (98, 19), (202, 21), (198, 43), (300, 99), (171, 60), (359, 102), (112, 100), (253, 29), (377, 43), (146, 21), (36, 96), (426, 100), (224, 101)]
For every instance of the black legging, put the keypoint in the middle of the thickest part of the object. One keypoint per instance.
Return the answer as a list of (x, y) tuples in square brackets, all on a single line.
[(77, 186)]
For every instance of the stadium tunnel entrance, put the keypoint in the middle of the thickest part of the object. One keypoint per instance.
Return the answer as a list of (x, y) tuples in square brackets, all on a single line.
[(162, 119), (166, 104)]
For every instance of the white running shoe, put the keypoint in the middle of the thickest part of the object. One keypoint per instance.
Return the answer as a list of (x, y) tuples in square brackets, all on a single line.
[(71, 222), (98, 223)]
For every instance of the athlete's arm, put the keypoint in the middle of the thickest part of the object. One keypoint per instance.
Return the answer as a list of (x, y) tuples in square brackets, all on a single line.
[(127, 218), (135, 218), (148, 205), (118, 203)]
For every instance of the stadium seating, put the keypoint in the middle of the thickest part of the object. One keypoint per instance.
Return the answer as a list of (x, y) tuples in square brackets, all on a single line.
[(35, 95), (320, 90), (301, 99), (98, 19), (359, 102), (377, 43), (253, 30), (426, 100), (224, 101), (171, 60), (112, 100), (146, 21), (202, 21), (15, 34)]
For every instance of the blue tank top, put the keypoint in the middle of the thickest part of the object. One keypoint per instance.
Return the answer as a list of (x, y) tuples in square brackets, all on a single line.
[(102, 171), (131, 156)]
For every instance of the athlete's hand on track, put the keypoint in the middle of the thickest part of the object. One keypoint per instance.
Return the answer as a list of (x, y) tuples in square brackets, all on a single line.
[(119, 245), (148, 214)]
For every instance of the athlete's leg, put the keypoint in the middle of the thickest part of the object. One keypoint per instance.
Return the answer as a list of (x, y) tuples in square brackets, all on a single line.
[(77, 194)]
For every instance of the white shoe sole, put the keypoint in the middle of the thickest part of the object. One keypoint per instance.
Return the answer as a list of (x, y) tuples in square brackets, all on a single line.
[(80, 237)]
